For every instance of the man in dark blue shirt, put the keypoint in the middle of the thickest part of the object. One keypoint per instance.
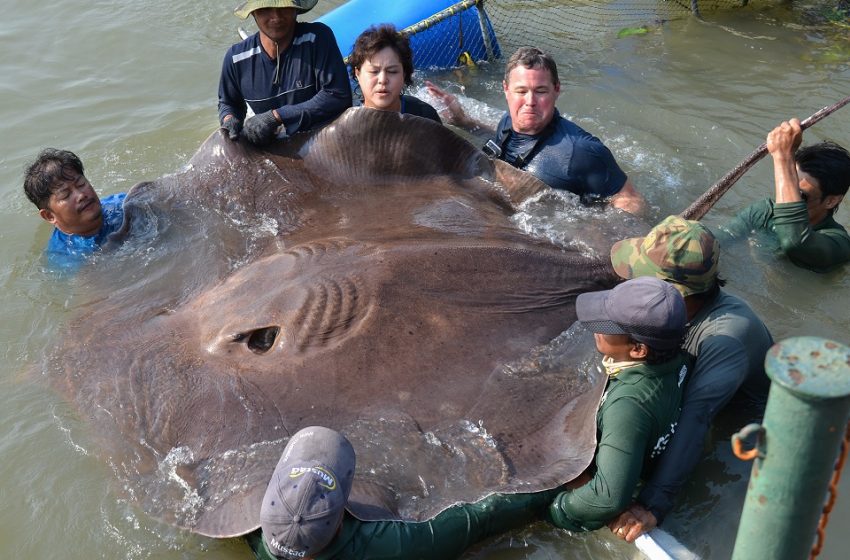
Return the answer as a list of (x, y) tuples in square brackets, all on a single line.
[(290, 73), (534, 137), (55, 183)]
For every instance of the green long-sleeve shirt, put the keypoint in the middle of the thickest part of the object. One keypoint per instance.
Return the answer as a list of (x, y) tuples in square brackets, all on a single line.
[(444, 537), (636, 420), (820, 248)]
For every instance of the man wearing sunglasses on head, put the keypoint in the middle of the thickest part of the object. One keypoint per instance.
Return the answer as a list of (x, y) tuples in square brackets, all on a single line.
[(810, 183)]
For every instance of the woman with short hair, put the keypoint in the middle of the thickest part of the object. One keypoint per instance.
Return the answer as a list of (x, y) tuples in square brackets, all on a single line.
[(382, 64)]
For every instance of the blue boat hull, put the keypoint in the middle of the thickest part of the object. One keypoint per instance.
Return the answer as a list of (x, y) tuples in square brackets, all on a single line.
[(439, 46)]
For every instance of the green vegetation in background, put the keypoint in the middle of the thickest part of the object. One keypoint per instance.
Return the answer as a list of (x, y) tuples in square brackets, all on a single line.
[(629, 31)]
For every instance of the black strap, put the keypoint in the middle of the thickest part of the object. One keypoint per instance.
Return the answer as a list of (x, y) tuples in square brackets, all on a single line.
[(494, 148)]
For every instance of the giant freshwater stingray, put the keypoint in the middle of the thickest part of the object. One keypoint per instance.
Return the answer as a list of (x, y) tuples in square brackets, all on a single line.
[(368, 277)]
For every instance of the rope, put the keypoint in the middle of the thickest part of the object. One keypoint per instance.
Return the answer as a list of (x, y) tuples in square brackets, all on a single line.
[(833, 493)]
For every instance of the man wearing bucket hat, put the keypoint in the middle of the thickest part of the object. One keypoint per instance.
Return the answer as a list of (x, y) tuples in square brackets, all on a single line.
[(725, 338), (303, 513), (290, 73), (638, 327)]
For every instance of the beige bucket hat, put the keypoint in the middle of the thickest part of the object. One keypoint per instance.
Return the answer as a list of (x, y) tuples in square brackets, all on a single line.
[(246, 8)]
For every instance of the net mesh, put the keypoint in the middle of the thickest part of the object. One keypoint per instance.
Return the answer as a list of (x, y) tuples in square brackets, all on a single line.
[(551, 25), (554, 24)]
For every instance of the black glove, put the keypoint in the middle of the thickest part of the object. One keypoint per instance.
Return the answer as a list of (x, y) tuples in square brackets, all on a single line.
[(232, 127), (261, 129)]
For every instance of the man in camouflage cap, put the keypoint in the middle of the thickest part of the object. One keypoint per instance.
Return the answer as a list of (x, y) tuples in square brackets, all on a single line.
[(290, 73), (725, 338), (678, 251)]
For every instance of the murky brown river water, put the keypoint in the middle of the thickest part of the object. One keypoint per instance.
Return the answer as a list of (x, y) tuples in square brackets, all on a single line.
[(131, 88)]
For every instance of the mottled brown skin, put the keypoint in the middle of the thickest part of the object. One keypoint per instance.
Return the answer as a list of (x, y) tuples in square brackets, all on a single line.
[(367, 278)]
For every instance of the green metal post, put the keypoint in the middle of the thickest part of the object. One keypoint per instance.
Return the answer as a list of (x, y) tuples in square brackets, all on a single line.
[(804, 423)]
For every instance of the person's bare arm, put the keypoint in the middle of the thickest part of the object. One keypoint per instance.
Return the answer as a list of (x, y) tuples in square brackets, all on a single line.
[(454, 114), (782, 143), (629, 199)]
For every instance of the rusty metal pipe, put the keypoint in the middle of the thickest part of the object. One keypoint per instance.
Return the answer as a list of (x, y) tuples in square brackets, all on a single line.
[(797, 445)]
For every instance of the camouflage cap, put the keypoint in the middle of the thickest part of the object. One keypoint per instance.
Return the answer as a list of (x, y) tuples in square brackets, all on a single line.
[(246, 8), (679, 251)]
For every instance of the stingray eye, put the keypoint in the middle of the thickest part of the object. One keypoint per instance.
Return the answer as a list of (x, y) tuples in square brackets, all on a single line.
[(259, 341)]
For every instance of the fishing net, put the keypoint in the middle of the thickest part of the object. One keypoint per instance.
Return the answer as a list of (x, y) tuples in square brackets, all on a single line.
[(552, 25)]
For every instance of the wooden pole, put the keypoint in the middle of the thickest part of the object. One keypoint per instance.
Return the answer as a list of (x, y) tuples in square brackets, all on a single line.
[(709, 198)]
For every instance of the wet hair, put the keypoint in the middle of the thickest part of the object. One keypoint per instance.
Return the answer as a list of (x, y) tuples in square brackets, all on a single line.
[(49, 168), (531, 57), (377, 38), (829, 164)]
